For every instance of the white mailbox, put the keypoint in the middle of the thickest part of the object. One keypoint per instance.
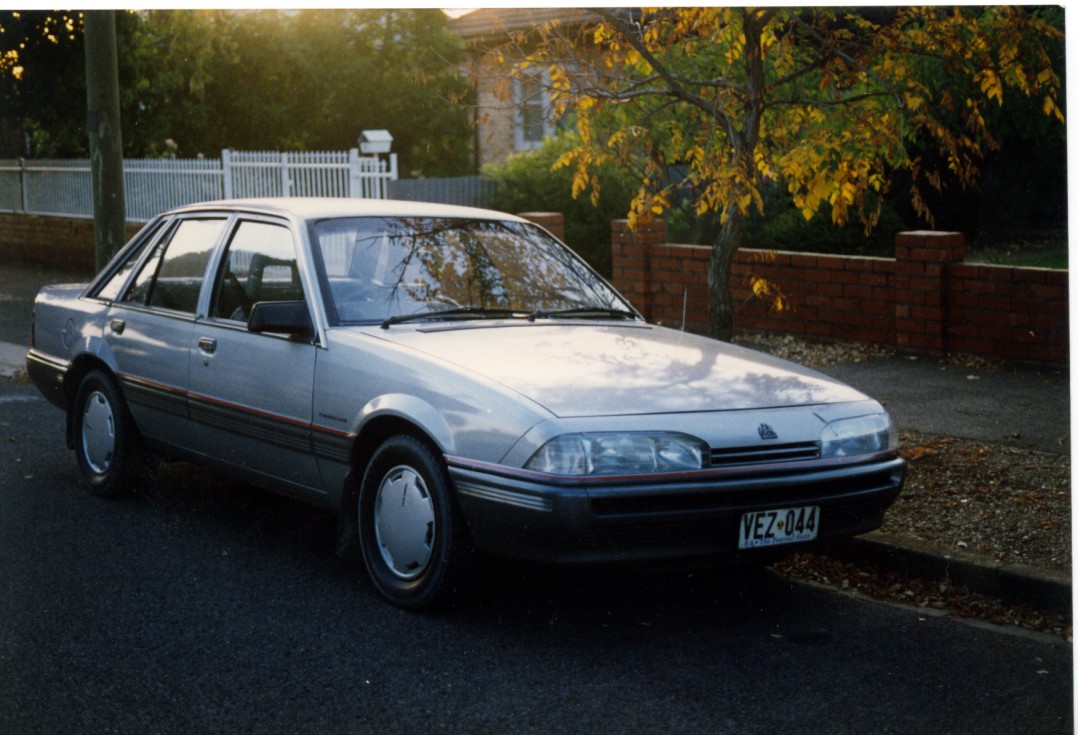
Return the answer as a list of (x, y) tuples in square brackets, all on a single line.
[(375, 141)]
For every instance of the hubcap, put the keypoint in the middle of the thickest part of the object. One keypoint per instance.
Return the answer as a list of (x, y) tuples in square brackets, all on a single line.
[(98, 432), (404, 522)]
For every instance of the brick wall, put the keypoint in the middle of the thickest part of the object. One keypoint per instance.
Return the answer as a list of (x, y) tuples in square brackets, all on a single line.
[(33, 238), (553, 222), (56, 241), (1017, 313), (829, 296), (923, 300)]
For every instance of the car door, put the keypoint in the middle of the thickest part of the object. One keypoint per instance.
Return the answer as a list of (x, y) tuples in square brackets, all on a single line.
[(250, 393), (148, 327)]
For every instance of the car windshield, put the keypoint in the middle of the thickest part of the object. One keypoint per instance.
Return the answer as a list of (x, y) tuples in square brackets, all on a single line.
[(393, 269)]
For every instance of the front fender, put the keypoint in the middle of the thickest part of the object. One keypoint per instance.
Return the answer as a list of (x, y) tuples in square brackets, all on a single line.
[(413, 410)]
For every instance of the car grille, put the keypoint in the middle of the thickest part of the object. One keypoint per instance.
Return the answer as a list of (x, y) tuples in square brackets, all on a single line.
[(698, 522), (742, 456), (720, 498)]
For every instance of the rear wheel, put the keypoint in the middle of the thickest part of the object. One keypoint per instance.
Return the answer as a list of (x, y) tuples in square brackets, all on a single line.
[(106, 442), (410, 533)]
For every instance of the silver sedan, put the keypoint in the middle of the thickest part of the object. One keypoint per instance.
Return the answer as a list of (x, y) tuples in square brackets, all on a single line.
[(448, 380)]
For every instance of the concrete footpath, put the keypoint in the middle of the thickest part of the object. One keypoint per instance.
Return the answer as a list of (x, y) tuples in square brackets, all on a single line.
[(1016, 405)]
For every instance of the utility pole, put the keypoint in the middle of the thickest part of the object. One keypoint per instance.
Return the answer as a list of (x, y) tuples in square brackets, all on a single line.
[(103, 126)]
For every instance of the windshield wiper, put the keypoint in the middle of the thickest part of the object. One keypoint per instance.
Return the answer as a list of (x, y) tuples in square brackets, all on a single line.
[(581, 312), (459, 312)]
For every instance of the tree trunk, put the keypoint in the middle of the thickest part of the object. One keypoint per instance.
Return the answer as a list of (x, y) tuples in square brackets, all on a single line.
[(720, 311)]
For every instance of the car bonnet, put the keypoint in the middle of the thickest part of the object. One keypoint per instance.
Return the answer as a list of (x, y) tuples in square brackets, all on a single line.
[(588, 369)]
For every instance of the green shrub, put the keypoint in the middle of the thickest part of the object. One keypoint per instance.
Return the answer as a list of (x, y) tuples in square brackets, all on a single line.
[(787, 229), (783, 227), (527, 183)]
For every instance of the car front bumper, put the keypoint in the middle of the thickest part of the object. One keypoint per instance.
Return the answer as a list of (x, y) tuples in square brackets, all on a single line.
[(509, 512)]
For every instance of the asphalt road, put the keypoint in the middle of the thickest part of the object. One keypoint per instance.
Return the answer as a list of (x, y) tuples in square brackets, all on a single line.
[(1023, 406), (207, 607)]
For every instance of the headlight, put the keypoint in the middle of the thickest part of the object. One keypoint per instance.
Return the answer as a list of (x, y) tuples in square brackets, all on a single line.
[(862, 435), (620, 453)]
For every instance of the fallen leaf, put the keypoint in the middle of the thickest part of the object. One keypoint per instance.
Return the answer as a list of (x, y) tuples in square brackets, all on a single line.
[(915, 453)]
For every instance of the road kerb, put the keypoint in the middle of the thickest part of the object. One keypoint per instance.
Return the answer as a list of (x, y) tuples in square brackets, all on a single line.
[(1012, 583)]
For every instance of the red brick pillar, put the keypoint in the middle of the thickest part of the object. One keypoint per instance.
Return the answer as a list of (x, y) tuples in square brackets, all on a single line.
[(554, 222), (630, 258), (921, 260)]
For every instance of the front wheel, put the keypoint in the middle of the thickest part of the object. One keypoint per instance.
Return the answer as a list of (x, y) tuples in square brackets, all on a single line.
[(106, 443), (410, 533)]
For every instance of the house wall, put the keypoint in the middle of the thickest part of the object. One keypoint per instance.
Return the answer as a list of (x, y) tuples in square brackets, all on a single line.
[(495, 38), (924, 300), (495, 123)]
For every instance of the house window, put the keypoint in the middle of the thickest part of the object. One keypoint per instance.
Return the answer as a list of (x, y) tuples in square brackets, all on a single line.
[(532, 110)]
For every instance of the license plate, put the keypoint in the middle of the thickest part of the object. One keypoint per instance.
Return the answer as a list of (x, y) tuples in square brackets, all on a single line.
[(781, 526)]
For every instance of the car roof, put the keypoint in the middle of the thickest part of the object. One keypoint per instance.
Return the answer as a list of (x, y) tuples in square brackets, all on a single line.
[(327, 207)]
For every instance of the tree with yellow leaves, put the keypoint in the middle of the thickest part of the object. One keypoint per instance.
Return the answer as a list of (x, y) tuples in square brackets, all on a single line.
[(829, 104)]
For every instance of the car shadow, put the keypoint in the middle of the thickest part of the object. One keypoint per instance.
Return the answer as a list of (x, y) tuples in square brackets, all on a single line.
[(625, 595), (501, 591)]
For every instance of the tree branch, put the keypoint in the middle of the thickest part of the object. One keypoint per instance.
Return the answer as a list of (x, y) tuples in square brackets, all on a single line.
[(626, 28), (838, 102)]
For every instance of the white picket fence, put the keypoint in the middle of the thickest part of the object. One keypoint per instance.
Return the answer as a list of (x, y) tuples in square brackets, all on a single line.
[(63, 187)]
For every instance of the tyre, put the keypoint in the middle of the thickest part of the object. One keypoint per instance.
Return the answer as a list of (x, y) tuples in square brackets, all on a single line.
[(410, 534), (106, 442)]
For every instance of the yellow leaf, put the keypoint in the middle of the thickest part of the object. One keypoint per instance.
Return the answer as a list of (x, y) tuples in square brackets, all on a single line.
[(991, 85), (1052, 109)]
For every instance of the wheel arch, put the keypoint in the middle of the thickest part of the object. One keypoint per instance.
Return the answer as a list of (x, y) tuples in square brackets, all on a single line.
[(80, 367), (377, 427)]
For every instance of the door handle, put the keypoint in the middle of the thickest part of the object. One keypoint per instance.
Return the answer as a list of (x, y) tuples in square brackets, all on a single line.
[(207, 344), (118, 325)]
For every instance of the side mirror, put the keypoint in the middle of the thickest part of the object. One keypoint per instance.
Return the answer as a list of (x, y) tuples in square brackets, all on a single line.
[(281, 317)]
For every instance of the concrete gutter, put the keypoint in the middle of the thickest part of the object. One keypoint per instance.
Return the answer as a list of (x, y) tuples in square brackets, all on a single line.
[(1012, 583)]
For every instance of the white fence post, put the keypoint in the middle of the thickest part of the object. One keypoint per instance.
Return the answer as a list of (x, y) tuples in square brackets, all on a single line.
[(226, 173), (286, 184), (23, 185), (355, 182)]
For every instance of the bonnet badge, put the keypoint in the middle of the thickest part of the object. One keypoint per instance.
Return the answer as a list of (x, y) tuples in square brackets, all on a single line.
[(766, 432)]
